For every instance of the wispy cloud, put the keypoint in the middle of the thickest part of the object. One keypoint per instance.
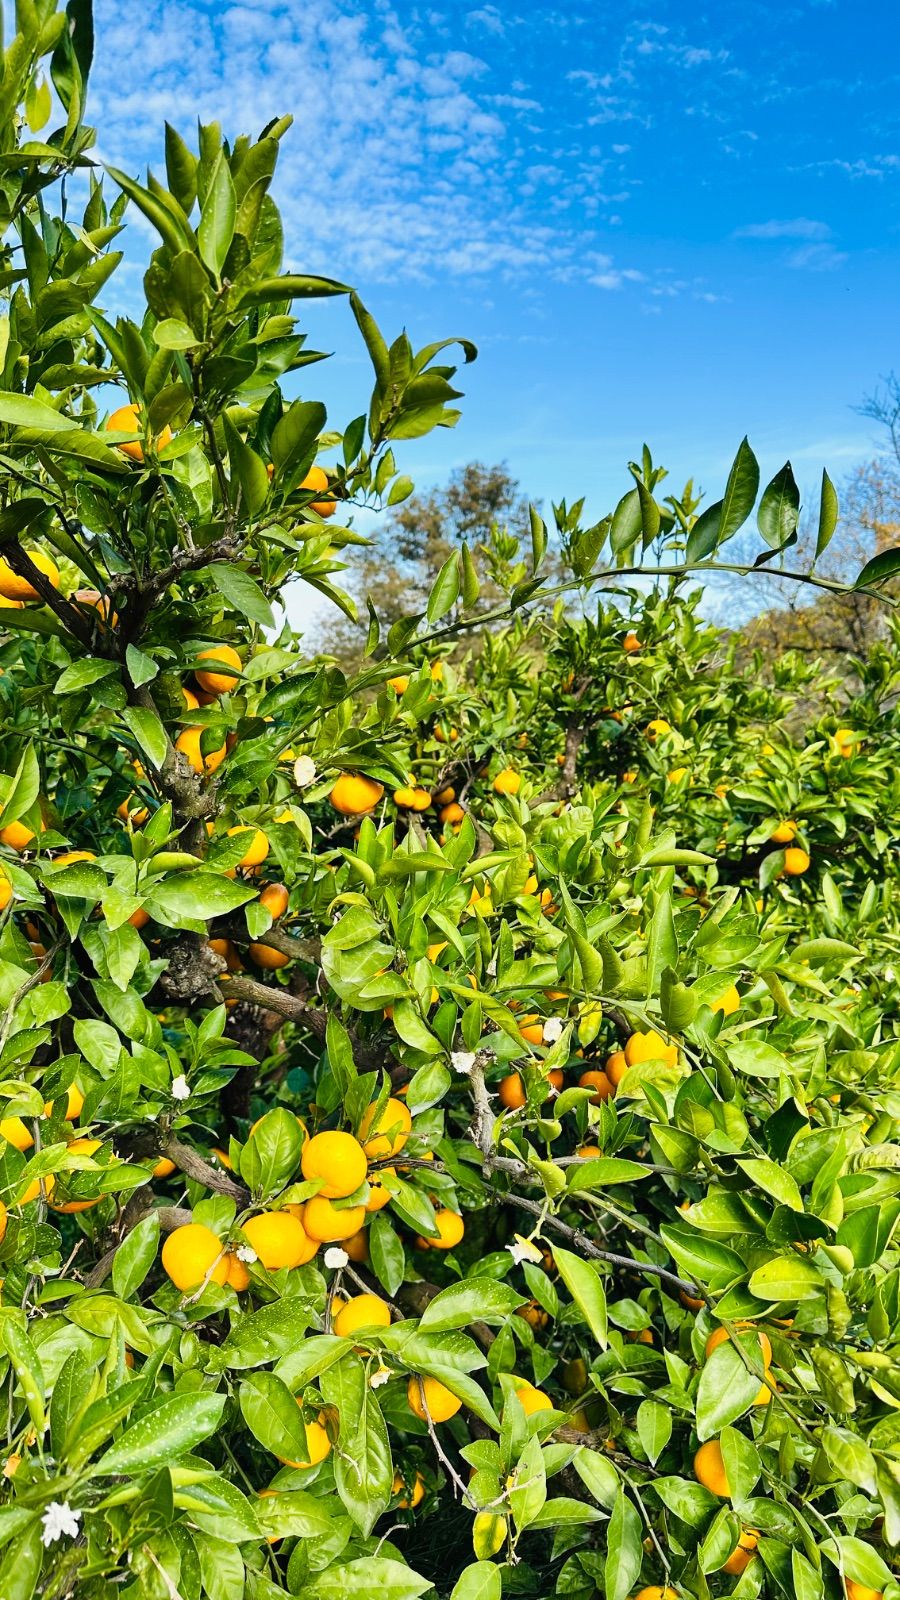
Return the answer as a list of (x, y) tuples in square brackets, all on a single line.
[(816, 258), (796, 228)]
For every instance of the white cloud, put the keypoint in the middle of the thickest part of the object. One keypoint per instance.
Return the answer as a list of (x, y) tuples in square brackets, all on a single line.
[(796, 228), (404, 162), (816, 258)]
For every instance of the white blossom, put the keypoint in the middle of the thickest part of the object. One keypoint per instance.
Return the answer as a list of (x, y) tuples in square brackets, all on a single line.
[(523, 1250), (247, 1254), (889, 974), (462, 1061), (304, 771), (181, 1089), (59, 1520), (336, 1257), (491, 968), (553, 1030), (383, 1375)]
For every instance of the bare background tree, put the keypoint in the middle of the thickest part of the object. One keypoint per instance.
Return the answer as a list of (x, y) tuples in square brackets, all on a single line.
[(409, 548)]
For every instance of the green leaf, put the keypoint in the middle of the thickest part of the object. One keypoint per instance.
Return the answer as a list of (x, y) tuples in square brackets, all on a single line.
[(779, 509), (740, 492), (479, 1581), (445, 590), (471, 1300), (292, 286), (726, 1388), (24, 788), (603, 1171), (24, 411), (528, 1492), (196, 897), (654, 1426), (624, 1551), (173, 334), (273, 1415), (216, 228), (141, 668), (22, 1563), (81, 674), (828, 516), (584, 1285), (598, 1475), (368, 1578), (135, 1256), (242, 592), (772, 1178), (172, 1428), (149, 733), (786, 1278)]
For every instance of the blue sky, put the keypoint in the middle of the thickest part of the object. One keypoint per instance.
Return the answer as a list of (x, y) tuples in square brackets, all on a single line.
[(658, 221)]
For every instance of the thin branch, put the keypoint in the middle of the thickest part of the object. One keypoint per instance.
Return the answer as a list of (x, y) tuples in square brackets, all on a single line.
[(594, 1253)]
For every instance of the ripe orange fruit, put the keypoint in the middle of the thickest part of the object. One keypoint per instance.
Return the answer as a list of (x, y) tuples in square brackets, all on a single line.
[(411, 1497), (709, 1469), (630, 643), (216, 683), (16, 835), (188, 742), (511, 1091), (439, 1401), (357, 1246), (677, 773), (657, 1591), (445, 796), (12, 587), (32, 1192), (742, 1554), (530, 1398), (326, 1224), (508, 781), (339, 1161), (450, 1227), (784, 832), (279, 1239), (387, 1135), (93, 600), (190, 1253), (379, 1194), (74, 1103), (126, 420), (132, 811), (275, 899), (728, 1002), (400, 684), (589, 1152), (452, 813), (650, 1046), (362, 1311), (657, 728), (318, 1446), (600, 1083), (6, 889), (16, 1132), (616, 1067), (164, 1168), (316, 480), (861, 1591), (228, 952), (532, 1028), (796, 861), (267, 958), (258, 846), (354, 794), (237, 1275), (534, 1314)]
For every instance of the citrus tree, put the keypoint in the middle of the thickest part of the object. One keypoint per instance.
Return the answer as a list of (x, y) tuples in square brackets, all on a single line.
[(458, 1097)]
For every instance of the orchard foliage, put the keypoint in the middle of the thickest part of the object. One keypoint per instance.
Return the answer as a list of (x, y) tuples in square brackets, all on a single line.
[(450, 1113)]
